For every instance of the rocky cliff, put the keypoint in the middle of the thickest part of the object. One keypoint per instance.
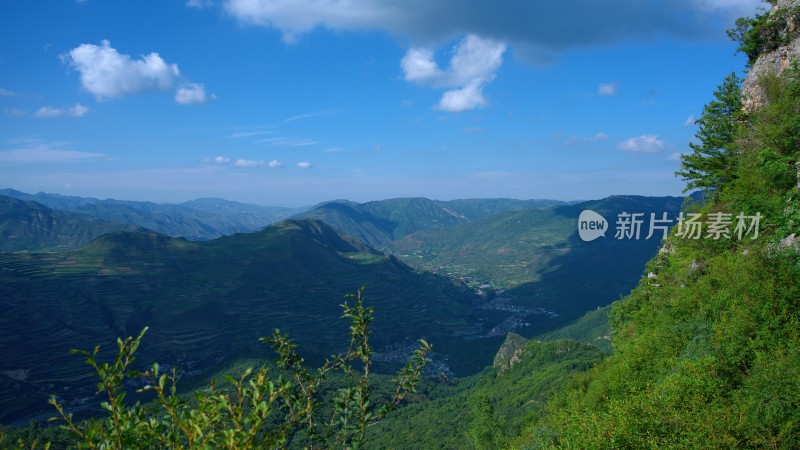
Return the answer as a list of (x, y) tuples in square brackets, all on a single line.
[(778, 37), (510, 353)]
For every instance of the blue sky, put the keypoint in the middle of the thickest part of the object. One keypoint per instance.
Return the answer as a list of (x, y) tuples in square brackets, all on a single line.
[(292, 102)]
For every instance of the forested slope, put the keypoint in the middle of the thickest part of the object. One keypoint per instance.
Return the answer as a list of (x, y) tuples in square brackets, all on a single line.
[(706, 352)]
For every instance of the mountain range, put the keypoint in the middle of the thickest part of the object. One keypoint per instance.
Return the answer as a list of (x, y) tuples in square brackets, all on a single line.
[(461, 274), (381, 223), (528, 251), (200, 219), (31, 226)]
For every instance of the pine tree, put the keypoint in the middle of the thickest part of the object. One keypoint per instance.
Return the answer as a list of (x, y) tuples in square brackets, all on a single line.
[(711, 162)]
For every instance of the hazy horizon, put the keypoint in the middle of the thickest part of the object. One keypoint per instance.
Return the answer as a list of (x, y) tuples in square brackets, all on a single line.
[(576, 200)]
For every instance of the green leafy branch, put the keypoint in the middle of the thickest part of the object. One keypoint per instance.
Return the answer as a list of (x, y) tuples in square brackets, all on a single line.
[(252, 411)]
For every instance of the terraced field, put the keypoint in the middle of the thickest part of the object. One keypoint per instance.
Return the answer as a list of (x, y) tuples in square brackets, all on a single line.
[(204, 302)]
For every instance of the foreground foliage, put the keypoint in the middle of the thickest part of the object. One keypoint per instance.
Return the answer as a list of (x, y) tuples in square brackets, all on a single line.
[(254, 410)]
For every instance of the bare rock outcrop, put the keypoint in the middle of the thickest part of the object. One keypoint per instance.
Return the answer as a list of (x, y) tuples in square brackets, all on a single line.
[(510, 353), (784, 37)]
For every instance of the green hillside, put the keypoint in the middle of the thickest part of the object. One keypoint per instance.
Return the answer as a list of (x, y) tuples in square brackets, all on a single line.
[(706, 352), (518, 247), (484, 410), (511, 393), (206, 301), (533, 261), (592, 328), (31, 226)]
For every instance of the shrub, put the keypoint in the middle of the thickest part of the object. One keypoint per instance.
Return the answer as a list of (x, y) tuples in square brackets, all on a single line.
[(254, 410)]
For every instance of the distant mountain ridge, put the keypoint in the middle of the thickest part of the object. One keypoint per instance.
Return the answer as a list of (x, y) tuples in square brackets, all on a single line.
[(31, 226), (379, 223), (200, 219), (376, 223), (508, 242)]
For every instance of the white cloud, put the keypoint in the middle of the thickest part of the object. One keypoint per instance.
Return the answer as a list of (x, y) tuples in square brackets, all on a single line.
[(14, 112), (75, 111), (648, 143), (217, 160), (689, 121), (418, 66), (474, 63), (406, 103), (573, 140), (607, 89), (475, 60), (464, 99), (304, 165), (310, 115), (244, 134), (45, 153), (199, 4), (108, 74), (294, 17), (675, 157), (248, 163), (6, 93), (288, 141), (243, 163), (536, 29), (192, 94), (599, 137)]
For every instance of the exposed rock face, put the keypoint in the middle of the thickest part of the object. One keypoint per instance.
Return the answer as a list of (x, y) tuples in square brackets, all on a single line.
[(788, 242), (777, 60), (510, 352), (797, 165), (783, 4), (786, 17)]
